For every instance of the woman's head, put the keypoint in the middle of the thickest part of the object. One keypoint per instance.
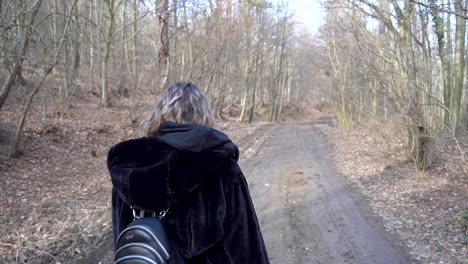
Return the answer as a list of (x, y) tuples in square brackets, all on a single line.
[(181, 102)]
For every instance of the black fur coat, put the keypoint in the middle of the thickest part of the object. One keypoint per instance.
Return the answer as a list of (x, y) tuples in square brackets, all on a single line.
[(193, 170)]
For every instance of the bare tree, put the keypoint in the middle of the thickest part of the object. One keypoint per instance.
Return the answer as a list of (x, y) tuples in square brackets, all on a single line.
[(397, 61), (110, 7), (26, 16), (163, 51), (117, 43), (47, 71), (459, 60)]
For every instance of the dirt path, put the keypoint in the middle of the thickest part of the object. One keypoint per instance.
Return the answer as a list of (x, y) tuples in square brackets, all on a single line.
[(306, 211)]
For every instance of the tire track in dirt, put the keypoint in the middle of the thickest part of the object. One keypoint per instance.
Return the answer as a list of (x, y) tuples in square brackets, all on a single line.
[(305, 209)]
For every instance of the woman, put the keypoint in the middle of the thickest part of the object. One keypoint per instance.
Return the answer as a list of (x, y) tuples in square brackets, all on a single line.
[(184, 165)]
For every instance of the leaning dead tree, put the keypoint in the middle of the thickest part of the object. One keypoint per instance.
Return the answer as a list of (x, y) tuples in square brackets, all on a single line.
[(32, 94)]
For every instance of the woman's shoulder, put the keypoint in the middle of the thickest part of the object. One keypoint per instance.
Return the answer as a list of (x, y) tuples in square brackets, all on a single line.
[(231, 149), (230, 174)]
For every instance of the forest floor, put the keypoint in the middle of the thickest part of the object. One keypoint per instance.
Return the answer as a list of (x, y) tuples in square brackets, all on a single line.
[(426, 210), (55, 198)]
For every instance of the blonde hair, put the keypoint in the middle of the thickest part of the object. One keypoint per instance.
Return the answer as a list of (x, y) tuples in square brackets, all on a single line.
[(181, 102)]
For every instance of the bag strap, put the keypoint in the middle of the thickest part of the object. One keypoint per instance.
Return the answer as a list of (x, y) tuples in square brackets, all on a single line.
[(162, 213), (142, 213)]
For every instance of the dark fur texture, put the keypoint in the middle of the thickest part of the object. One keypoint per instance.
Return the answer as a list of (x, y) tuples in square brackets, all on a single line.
[(211, 217)]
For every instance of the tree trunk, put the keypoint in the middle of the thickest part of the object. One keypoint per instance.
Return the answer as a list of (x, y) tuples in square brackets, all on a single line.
[(105, 54), (124, 60), (279, 75), (175, 38), (247, 70), (25, 39), (465, 113), (67, 50), (459, 61), (163, 49), (92, 6), (444, 56), (77, 37), (134, 60)]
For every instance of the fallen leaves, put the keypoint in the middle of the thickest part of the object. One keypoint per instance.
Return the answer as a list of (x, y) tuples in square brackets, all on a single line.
[(424, 209), (56, 196)]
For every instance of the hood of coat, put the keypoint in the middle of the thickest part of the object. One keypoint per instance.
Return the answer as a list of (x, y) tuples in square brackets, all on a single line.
[(152, 173)]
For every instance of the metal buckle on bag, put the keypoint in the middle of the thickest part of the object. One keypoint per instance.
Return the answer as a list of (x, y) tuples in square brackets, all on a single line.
[(163, 213), (137, 216), (153, 214)]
